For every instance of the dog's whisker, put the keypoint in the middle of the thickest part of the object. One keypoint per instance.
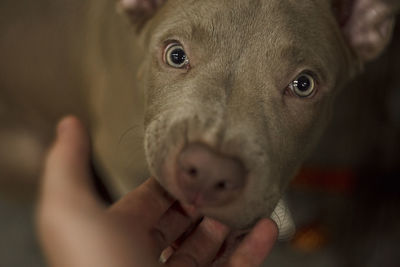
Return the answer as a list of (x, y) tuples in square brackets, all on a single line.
[(131, 129)]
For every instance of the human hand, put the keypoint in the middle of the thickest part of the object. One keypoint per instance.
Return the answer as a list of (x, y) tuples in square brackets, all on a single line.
[(77, 229)]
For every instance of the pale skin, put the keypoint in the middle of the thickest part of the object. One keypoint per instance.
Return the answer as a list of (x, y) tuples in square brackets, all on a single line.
[(77, 229)]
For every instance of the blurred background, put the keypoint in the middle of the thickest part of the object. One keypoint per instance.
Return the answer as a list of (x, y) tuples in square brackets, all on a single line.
[(345, 201)]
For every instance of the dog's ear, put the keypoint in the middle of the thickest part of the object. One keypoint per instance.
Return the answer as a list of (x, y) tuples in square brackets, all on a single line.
[(367, 25), (138, 11)]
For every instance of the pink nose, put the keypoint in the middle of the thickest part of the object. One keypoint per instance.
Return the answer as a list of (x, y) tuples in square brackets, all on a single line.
[(207, 178)]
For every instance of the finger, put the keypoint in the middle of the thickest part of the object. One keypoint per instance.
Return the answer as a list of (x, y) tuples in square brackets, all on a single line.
[(172, 225), (200, 248), (149, 201), (66, 179), (256, 246)]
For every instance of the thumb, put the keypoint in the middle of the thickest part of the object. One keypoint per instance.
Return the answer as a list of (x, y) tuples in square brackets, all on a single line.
[(67, 179)]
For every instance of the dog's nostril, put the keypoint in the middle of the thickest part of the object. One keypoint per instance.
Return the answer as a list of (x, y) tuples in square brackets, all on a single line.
[(221, 186), (192, 172)]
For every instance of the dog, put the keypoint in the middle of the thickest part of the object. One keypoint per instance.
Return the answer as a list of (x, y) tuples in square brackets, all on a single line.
[(221, 101)]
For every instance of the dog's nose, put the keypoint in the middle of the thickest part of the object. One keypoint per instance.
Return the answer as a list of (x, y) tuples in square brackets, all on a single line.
[(207, 178)]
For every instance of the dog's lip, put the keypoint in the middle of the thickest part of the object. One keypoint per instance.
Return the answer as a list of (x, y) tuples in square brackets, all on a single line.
[(190, 210)]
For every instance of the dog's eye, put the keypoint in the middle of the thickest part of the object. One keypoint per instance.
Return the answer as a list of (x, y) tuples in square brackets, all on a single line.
[(175, 56), (303, 85)]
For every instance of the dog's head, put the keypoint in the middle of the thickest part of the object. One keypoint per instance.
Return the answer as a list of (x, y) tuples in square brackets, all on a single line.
[(238, 92)]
